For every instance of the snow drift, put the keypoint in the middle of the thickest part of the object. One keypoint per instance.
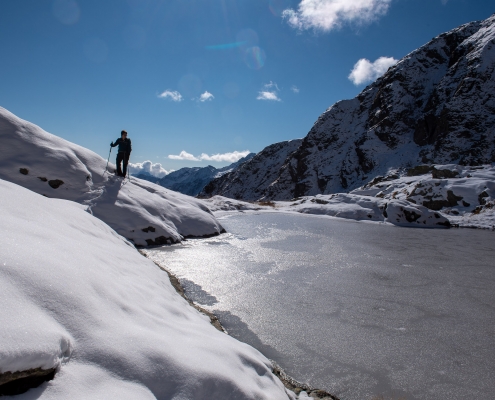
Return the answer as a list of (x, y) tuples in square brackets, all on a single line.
[(78, 297), (138, 210)]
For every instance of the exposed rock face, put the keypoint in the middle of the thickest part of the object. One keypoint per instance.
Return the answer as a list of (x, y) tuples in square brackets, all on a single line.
[(251, 180), (435, 106), (13, 383)]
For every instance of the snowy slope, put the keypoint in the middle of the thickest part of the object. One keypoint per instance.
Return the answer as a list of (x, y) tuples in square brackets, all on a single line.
[(78, 297), (435, 106), (191, 181), (138, 210)]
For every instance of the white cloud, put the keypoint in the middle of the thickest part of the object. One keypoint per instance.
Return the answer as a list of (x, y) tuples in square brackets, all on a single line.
[(206, 96), (184, 155), (172, 95), (268, 96), (366, 71), (230, 157), (147, 167), (294, 88), (269, 92), (326, 15), (271, 85)]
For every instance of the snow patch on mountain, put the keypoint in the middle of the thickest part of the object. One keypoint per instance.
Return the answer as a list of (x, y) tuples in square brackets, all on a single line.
[(138, 210)]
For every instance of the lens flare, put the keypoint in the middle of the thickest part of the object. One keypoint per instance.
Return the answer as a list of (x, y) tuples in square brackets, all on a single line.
[(248, 38), (255, 57), (66, 11)]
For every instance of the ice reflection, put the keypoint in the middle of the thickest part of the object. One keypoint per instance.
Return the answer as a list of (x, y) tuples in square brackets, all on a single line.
[(357, 309)]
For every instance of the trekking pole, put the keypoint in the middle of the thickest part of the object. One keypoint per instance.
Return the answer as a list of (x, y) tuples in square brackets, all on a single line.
[(128, 169), (108, 159)]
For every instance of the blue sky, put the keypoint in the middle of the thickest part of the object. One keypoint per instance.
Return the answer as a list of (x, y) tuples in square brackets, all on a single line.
[(207, 79)]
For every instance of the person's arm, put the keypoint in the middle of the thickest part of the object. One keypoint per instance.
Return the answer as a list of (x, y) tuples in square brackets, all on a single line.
[(116, 143), (130, 146)]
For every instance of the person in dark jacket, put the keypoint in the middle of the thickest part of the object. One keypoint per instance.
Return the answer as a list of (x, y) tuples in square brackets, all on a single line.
[(124, 152)]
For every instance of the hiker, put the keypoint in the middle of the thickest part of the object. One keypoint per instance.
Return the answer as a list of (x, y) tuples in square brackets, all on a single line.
[(123, 154)]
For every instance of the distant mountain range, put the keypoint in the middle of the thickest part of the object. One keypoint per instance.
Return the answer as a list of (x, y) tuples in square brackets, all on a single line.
[(435, 106), (191, 181)]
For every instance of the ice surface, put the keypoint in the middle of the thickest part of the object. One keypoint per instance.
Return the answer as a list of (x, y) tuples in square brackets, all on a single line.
[(77, 296), (358, 309)]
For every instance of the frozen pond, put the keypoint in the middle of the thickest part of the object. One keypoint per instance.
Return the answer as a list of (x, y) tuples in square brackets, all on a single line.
[(358, 309)]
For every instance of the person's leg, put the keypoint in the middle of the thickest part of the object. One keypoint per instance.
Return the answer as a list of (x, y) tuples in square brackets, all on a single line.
[(120, 158), (126, 161)]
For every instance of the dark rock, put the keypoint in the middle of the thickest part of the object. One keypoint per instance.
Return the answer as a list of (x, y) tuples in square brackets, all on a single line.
[(443, 173), (411, 216), (436, 205), (482, 196), (445, 223), (161, 240), (319, 201), (15, 383), (42, 178), (24, 171), (452, 198), (56, 183), (148, 229), (465, 204), (209, 235), (419, 170)]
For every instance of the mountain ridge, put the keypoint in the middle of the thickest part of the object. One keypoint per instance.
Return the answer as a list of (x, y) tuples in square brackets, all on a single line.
[(191, 180), (435, 106)]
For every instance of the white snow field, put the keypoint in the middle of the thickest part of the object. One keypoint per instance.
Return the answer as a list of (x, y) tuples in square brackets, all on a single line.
[(138, 210), (77, 296)]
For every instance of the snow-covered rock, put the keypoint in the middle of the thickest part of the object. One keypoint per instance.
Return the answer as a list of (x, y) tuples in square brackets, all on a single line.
[(435, 106), (191, 181), (78, 297), (138, 210), (426, 196), (464, 195)]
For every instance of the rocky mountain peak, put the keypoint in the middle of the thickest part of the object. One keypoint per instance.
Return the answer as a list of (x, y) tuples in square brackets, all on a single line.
[(436, 105)]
